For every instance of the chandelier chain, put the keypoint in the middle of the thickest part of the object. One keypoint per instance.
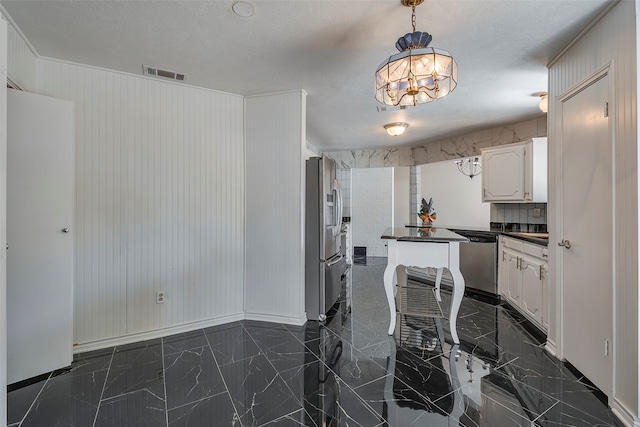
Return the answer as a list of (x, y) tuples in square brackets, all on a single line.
[(413, 16)]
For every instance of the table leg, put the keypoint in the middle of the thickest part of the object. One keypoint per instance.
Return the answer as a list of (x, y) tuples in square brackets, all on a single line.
[(456, 301), (438, 280), (389, 288)]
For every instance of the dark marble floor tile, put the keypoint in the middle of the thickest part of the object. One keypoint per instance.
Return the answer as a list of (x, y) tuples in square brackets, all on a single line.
[(136, 367), (259, 394), (139, 408), (19, 401), (216, 411), (281, 347), (97, 360), (67, 400), (353, 411), (251, 373), (296, 419), (305, 384), (232, 344), (191, 375), (185, 341)]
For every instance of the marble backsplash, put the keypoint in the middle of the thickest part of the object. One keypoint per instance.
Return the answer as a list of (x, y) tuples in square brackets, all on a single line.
[(446, 149)]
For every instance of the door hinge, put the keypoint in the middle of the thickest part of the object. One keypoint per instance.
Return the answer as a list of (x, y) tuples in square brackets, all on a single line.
[(541, 271), (606, 347), (606, 109)]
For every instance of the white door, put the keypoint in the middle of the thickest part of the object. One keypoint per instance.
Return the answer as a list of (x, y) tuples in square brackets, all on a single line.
[(40, 174), (587, 224)]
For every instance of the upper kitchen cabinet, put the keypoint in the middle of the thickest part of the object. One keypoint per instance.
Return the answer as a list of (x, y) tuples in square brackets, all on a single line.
[(515, 172)]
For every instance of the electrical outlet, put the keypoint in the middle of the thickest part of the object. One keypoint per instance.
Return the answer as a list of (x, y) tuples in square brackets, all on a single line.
[(537, 212), (160, 297)]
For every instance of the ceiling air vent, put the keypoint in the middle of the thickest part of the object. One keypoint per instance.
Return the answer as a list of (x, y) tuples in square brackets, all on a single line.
[(156, 72), (383, 109)]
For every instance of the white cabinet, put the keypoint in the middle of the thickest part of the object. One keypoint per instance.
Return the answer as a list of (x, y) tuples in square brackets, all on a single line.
[(515, 172), (522, 278)]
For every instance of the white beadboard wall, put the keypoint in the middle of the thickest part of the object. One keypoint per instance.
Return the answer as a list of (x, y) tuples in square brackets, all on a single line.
[(22, 68), (612, 39), (275, 147), (371, 208), (159, 201)]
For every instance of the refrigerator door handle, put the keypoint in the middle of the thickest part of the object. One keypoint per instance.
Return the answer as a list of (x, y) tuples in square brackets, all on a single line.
[(337, 208), (334, 260)]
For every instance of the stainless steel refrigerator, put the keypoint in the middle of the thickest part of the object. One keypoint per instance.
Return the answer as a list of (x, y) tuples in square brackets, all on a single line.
[(324, 263)]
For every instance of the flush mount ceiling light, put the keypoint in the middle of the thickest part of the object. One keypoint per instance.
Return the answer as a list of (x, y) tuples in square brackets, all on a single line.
[(418, 74), (544, 102), (396, 129), (469, 167)]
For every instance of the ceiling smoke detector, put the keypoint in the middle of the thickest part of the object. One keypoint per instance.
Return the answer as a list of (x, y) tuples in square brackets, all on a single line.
[(243, 9), (167, 74)]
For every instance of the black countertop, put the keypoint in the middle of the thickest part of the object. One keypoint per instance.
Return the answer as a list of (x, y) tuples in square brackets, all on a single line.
[(537, 238), (427, 234)]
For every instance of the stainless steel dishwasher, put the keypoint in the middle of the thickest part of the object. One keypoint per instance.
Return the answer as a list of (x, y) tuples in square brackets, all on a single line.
[(479, 261)]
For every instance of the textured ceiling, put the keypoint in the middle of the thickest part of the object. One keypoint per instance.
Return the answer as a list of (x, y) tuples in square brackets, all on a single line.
[(330, 49)]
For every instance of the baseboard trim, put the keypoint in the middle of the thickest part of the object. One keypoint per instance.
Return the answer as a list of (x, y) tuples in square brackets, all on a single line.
[(623, 413), (263, 317), (157, 333), (551, 348)]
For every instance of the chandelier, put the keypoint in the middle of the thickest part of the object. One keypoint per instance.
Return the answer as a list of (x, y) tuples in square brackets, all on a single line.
[(469, 167), (417, 74)]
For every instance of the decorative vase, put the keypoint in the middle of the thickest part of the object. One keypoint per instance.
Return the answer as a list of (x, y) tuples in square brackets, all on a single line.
[(426, 222)]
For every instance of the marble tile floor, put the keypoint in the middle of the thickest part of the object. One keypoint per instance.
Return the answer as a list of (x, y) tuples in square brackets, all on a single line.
[(263, 374)]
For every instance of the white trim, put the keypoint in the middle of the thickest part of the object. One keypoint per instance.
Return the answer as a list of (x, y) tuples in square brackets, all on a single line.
[(593, 23), (274, 318), (284, 92), (142, 76), (143, 336), (588, 81), (550, 346), (10, 20), (623, 414), (606, 70)]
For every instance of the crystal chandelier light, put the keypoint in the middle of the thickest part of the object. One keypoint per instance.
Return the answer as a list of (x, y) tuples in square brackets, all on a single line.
[(469, 167), (417, 74)]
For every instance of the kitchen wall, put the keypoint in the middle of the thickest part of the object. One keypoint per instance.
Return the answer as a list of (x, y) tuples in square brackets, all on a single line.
[(611, 41), (522, 213), (275, 131), (159, 199), (401, 197), (344, 176), (457, 199), (371, 208), (436, 151)]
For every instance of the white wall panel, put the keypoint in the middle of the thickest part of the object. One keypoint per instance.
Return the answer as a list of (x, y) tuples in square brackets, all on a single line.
[(3, 223), (159, 201), (371, 208), (612, 39), (22, 61), (275, 135)]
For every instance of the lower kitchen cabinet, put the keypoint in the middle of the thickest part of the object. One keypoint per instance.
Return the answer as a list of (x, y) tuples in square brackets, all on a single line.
[(522, 278)]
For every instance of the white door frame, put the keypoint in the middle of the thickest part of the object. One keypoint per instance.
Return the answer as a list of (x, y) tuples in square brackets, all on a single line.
[(557, 230)]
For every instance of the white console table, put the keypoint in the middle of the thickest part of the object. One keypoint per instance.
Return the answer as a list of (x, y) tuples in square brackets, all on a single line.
[(422, 248)]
